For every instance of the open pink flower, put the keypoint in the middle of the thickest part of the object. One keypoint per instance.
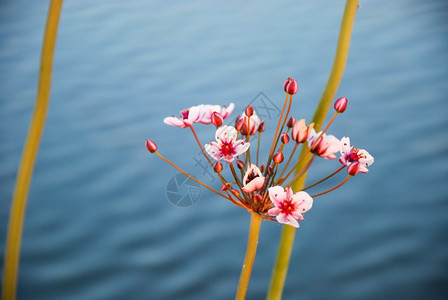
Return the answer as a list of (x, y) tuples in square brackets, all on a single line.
[(327, 145), (253, 179), (226, 146), (288, 207), (351, 155), (198, 114)]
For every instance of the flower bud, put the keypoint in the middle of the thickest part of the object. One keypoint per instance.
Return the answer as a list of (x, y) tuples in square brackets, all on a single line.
[(262, 127), (217, 119), (258, 198), (239, 124), (249, 110), (225, 187), (235, 192), (340, 105), (353, 168), (218, 167), (291, 122), (240, 164), (284, 138), (278, 158), (151, 146), (290, 86), (262, 168), (270, 171)]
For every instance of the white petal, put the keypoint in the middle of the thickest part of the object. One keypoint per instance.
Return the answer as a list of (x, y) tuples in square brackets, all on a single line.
[(226, 111), (226, 133), (241, 146), (213, 150), (275, 211), (303, 200), (277, 194)]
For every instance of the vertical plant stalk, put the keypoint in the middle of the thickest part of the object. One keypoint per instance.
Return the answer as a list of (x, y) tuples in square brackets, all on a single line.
[(287, 238), (254, 230), (18, 205)]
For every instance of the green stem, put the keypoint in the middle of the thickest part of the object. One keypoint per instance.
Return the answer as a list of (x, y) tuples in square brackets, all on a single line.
[(18, 205), (287, 238), (255, 222)]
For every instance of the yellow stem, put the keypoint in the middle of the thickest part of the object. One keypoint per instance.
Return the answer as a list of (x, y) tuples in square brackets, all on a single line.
[(287, 238), (255, 222), (18, 205)]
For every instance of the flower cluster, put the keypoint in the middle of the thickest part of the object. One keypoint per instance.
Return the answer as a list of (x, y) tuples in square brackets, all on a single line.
[(263, 188)]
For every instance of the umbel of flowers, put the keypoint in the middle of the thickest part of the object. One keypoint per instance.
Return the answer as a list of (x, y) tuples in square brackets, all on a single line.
[(264, 188)]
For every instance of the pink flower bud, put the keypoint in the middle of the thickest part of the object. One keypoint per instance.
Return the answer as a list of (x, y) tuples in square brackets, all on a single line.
[(249, 110), (300, 131), (278, 158), (262, 127), (218, 167), (217, 119), (239, 124), (340, 105), (257, 198), (291, 122), (225, 187), (284, 138), (353, 168), (151, 146), (290, 86), (270, 171), (262, 168), (240, 164)]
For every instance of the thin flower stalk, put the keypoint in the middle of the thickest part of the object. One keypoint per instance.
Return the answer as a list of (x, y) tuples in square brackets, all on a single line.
[(278, 276), (24, 175)]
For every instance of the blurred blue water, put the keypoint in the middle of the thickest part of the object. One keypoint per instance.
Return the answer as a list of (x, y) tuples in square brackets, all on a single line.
[(99, 225)]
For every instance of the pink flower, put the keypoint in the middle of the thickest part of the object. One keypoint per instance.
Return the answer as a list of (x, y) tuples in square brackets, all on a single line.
[(327, 145), (253, 179), (300, 131), (351, 155), (288, 207), (253, 121), (226, 146), (198, 114)]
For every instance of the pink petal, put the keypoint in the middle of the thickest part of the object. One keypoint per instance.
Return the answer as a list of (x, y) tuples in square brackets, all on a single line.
[(240, 147), (213, 150), (226, 111), (274, 211), (173, 121), (254, 185)]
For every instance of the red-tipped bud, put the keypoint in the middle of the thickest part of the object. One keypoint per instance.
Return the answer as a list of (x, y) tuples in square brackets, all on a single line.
[(284, 138), (217, 119), (278, 158), (262, 168), (290, 86), (225, 187), (257, 198), (249, 111), (218, 167), (291, 122), (240, 164), (353, 169), (262, 126), (239, 124), (340, 105), (270, 170), (235, 192), (151, 146)]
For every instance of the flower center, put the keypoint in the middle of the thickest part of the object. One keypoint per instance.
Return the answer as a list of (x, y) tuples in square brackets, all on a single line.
[(227, 148), (355, 155), (287, 207), (252, 175)]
